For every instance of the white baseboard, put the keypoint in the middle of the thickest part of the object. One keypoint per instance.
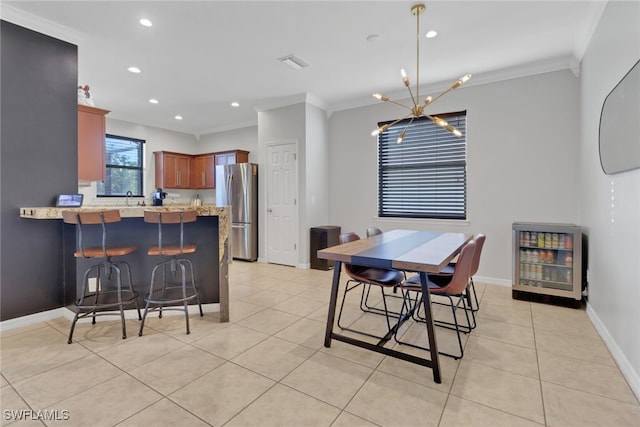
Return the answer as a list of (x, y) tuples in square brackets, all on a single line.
[(65, 312), (32, 319), (632, 377), (492, 281)]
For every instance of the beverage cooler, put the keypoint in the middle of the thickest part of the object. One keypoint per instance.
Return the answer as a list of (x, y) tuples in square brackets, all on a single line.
[(547, 259)]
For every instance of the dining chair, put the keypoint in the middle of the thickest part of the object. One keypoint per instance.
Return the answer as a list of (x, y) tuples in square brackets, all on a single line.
[(444, 277), (367, 277), (454, 289), (373, 231)]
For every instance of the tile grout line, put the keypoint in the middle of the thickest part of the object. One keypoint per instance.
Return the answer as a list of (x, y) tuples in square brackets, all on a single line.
[(535, 343)]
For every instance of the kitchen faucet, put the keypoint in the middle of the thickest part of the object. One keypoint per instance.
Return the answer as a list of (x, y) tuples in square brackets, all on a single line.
[(129, 194)]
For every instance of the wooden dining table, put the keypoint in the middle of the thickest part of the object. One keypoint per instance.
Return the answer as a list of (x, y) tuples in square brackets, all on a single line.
[(422, 252)]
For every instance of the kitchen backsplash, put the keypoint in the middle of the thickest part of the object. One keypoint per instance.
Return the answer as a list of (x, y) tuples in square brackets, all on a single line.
[(174, 197)]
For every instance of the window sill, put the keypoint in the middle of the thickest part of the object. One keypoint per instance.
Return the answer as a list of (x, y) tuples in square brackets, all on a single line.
[(423, 221)]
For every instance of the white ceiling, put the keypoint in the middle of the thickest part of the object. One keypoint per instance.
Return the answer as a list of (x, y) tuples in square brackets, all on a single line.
[(199, 56)]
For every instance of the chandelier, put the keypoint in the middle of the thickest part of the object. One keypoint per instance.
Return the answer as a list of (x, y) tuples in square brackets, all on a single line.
[(417, 109)]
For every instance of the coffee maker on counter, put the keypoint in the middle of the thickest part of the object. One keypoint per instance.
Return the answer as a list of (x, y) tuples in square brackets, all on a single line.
[(158, 196)]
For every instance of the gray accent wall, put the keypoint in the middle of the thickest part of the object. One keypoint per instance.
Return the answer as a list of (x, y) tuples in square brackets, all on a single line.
[(38, 159)]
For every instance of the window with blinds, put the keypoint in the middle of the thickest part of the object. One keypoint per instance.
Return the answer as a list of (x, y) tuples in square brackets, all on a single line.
[(426, 175), (124, 167)]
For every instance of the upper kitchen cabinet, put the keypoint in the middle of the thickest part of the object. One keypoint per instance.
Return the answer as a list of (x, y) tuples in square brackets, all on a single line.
[(231, 157), (173, 170), (91, 134), (204, 171)]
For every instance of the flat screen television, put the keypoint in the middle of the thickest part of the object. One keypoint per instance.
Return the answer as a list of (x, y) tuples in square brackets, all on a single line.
[(620, 125)]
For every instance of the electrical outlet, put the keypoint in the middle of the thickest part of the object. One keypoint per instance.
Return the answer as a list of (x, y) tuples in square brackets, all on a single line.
[(92, 283)]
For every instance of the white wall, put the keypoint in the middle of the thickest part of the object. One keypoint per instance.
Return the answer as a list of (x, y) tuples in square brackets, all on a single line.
[(236, 139), (305, 124), (523, 140), (316, 179), (157, 139), (610, 204), (280, 125)]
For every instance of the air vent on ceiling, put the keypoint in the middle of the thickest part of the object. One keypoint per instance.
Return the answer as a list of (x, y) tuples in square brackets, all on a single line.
[(293, 62)]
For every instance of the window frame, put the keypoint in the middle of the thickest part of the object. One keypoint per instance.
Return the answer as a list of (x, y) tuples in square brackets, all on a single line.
[(443, 165), (140, 168)]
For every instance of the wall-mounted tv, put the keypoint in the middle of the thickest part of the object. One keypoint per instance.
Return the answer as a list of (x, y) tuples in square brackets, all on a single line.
[(619, 138)]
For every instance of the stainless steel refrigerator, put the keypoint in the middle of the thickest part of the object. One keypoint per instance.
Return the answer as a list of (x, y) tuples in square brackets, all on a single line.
[(237, 186)]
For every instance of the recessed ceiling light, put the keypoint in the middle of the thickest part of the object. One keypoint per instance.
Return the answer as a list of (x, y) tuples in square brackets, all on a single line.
[(153, 101), (178, 117), (293, 62), (145, 22), (431, 34), (235, 104), (134, 70)]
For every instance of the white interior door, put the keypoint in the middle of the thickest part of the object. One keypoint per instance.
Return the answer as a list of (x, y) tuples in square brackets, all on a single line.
[(282, 209)]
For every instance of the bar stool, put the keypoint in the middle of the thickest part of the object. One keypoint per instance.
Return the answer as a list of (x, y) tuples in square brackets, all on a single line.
[(163, 294), (105, 297)]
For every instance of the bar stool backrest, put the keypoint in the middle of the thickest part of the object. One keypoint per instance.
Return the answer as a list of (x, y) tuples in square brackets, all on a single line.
[(170, 217), (91, 218)]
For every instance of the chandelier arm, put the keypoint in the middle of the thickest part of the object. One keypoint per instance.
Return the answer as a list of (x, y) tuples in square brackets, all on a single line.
[(434, 118), (413, 98), (404, 131), (439, 96), (454, 86), (399, 120), (397, 103), (437, 120)]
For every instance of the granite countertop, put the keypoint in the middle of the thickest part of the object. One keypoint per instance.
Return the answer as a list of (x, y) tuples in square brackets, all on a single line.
[(222, 212), (125, 211)]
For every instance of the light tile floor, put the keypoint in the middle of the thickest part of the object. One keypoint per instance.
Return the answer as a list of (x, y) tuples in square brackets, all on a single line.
[(525, 364)]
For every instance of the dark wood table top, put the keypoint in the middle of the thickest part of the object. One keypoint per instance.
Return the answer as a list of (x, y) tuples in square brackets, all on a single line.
[(410, 250)]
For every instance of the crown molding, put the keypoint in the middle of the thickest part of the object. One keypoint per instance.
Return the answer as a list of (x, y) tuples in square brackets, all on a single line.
[(40, 25), (479, 78)]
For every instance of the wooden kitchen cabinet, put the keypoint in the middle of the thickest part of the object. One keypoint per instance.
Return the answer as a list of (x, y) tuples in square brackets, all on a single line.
[(173, 170), (186, 171), (232, 157), (91, 134), (204, 175)]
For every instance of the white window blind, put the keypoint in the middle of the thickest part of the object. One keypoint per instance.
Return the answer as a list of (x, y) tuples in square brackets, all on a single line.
[(426, 175)]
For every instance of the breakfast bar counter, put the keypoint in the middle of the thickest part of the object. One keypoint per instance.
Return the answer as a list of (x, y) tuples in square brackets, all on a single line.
[(211, 233)]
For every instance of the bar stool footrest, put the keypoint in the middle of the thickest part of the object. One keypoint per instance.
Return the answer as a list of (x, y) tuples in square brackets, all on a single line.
[(106, 300), (171, 295)]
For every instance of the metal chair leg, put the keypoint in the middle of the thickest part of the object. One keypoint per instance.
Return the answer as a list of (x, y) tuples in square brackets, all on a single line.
[(447, 325)]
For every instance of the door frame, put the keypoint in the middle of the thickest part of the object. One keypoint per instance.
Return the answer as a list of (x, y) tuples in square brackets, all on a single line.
[(265, 200)]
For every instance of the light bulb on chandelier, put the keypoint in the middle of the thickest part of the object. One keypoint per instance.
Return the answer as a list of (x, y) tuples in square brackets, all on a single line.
[(417, 110)]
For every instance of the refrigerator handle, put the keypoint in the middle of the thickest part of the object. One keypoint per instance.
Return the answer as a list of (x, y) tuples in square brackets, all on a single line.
[(229, 178)]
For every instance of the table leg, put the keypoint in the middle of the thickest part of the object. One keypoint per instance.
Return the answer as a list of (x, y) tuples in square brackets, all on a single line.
[(433, 346), (332, 303)]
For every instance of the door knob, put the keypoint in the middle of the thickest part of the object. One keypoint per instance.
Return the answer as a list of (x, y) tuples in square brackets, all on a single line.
[(269, 210)]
